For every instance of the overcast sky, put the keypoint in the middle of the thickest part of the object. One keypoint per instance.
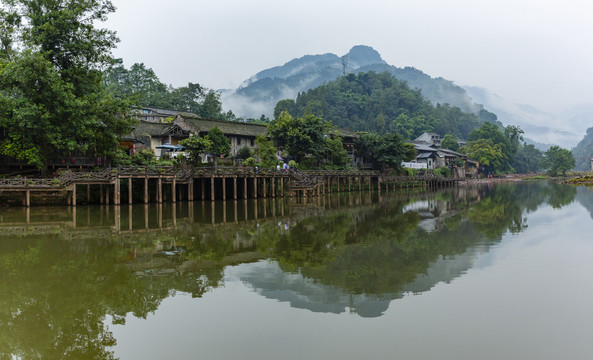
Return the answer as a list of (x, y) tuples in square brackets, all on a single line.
[(538, 52)]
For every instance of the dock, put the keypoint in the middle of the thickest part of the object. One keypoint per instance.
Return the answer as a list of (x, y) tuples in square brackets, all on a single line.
[(119, 185)]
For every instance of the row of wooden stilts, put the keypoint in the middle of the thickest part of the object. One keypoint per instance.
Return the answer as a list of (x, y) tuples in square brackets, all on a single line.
[(163, 189)]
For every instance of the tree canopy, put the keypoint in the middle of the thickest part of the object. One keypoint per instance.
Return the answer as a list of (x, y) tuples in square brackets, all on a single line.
[(52, 102), (380, 103), (145, 87), (558, 160), (310, 140), (385, 151), (497, 149)]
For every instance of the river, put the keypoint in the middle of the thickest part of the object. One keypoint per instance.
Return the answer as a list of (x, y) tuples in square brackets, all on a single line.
[(492, 271)]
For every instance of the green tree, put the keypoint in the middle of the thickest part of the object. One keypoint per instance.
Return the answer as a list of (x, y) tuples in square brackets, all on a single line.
[(265, 152), (486, 152), (300, 137), (449, 142), (195, 146), (52, 101), (385, 151), (243, 153), (336, 156), (221, 145), (558, 160), (528, 159)]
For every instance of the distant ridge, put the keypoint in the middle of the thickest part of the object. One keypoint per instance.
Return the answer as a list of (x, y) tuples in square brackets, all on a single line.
[(259, 94)]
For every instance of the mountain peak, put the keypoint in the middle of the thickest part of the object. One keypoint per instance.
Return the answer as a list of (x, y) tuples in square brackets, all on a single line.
[(361, 55)]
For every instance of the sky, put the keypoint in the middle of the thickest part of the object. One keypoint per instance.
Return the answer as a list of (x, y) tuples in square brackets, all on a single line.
[(537, 52)]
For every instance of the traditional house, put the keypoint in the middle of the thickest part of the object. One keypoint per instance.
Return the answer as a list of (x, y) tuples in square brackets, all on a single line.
[(427, 155), (154, 115), (149, 135), (429, 138), (240, 134)]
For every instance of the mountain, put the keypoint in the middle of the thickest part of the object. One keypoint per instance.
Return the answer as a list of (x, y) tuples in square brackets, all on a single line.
[(567, 125), (583, 152), (259, 94)]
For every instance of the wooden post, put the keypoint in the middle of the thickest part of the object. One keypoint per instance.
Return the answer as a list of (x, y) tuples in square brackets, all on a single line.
[(28, 198), (146, 190), (255, 186), (282, 186), (203, 188), (224, 188), (273, 186), (190, 189), (101, 198), (107, 195), (235, 190), (117, 191), (160, 190), (88, 193), (130, 191), (174, 190), (212, 197), (73, 194), (244, 187)]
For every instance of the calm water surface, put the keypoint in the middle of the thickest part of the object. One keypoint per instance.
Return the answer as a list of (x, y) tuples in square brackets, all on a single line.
[(499, 271)]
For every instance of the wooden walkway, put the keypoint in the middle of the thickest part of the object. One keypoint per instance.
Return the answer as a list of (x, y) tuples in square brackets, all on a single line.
[(170, 184)]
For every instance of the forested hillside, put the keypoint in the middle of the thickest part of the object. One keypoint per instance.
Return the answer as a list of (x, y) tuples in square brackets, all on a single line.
[(583, 152), (381, 103)]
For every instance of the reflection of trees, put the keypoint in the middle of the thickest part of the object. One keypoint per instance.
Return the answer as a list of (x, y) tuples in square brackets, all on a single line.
[(55, 289), (54, 295), (382, 249)]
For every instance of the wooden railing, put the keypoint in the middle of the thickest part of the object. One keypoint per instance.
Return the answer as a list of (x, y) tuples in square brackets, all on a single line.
[(299, 178)]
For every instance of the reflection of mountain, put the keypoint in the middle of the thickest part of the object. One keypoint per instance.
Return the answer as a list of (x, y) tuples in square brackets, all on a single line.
[(270, 281), (585, 197)]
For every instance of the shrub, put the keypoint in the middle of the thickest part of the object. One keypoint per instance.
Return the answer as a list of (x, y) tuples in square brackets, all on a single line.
[(250, 161)]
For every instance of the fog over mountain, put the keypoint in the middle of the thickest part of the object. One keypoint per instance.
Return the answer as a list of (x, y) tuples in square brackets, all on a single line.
[(259, 94), (544, 128)]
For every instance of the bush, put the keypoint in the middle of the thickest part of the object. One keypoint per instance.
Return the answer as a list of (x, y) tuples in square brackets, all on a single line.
[(244, 153), (443, 171), (250, 161), (292, 164), (411, 172)]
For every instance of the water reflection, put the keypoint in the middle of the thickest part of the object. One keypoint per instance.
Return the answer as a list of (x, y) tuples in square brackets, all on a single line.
[(62, 270)]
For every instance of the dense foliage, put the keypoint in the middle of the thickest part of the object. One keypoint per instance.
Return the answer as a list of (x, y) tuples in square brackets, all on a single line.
[(143, 84), (52, 102), (501, 151), (309, 140), (380, 103), (558, 160), (385, 151)]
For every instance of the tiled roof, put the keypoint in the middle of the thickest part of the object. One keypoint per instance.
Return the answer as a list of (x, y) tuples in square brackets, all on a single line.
[(152, 129), (227, 127)]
